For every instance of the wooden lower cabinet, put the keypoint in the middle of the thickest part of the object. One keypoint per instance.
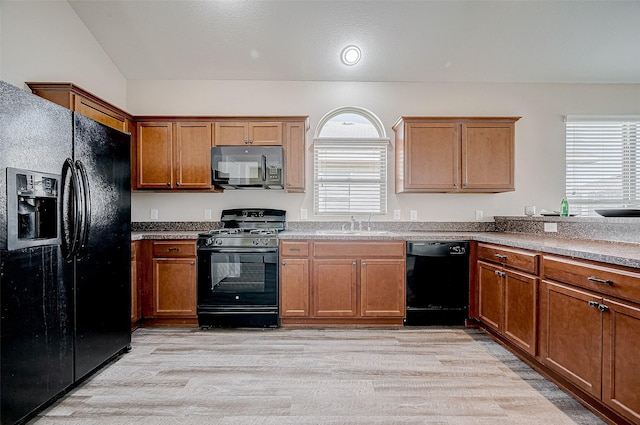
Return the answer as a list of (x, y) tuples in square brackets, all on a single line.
[(342, 283), (620, 364), (335, 288), (507, 303), (294, 287), (571, 335), (174, 289), (135, 285)]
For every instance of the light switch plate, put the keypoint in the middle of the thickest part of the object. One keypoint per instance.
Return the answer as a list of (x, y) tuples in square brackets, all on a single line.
[(550, 227), (303, 214), (414, 215), (397, 214), (479, 214), (207, 214), (154, 214)]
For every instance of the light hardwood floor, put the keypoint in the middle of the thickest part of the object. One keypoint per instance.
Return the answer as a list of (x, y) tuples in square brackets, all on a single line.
[(316, 376)]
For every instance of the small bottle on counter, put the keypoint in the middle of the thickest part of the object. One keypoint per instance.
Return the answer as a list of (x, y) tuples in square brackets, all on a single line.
[(564, 207)]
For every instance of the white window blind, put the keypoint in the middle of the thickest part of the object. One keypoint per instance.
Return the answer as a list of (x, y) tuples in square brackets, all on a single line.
[(603, 163), (350, 177)]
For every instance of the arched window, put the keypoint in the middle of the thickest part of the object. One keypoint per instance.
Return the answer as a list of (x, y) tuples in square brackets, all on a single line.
[(350, 163)]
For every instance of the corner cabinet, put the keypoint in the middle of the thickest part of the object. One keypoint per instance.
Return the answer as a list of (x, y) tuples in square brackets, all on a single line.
[(455, 154), (342, 283), (173, 155)]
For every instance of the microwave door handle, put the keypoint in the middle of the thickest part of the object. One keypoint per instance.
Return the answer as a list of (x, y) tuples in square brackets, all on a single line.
[(264, 168)]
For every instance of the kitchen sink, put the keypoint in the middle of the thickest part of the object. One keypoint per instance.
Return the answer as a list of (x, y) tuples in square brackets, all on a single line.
[(353, 232)]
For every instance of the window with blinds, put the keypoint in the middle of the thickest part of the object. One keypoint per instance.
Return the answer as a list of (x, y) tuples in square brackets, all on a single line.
[(602, 163), (350, 164)]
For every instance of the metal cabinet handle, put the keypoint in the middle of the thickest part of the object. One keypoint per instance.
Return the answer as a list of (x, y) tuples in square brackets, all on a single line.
[(353, 264), (603, 281), (284, 263), (593, 304), (178, 184), (192, 263), (499, 273), (169, 184), (173, 248), (603, 308), (500, 256), (294, 249), (364, 264)]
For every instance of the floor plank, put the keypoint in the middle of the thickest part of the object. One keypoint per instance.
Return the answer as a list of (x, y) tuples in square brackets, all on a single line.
[(405, 376)]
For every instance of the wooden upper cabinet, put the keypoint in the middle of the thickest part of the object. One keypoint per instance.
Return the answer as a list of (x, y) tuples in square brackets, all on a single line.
[(77, 99), (454, 154), (174, 155), (294, 156), (192, 153), (154, 155), (487, 156), (259, 133)]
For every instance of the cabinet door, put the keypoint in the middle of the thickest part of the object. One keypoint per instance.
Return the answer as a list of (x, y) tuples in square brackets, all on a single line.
[(487, 156), (432, 157), (490, 295), (99, 113), (571, 335), (520, 308), (192, 155), (231, 133), (294, 287), (382, 288), (334, 288), (294, 156), (265, 133), (154, 149), (174, 287), (621, 359)]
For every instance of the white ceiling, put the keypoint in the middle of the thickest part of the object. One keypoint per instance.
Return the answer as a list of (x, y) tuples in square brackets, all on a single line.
[(476, 41)]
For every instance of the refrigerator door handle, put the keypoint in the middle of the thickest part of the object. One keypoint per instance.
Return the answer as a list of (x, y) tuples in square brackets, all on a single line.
[(85, 225), (71, 220)]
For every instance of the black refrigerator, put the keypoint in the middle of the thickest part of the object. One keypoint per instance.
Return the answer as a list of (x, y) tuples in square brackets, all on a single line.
[(65, 231)]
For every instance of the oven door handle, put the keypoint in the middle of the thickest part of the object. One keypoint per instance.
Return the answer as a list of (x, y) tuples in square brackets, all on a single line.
[(239, 250)]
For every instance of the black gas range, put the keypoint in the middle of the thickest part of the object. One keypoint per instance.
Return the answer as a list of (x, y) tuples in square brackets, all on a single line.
[(238, 270)]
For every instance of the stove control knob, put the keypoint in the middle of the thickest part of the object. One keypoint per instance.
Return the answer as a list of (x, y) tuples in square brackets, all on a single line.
[(256, 241), (218, 241)]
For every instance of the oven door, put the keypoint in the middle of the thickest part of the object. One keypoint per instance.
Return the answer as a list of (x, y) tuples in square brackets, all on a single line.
[(239, 277)]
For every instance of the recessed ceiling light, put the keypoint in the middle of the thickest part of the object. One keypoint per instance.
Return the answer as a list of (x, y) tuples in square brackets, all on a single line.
[(350, 55)]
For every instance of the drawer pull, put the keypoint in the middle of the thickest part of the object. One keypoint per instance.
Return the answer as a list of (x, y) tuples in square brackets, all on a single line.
[(603, 281), (294, 249), (173, 248), (603, 308), (593, 304), (501, 257), (499, 273), (284, 263)]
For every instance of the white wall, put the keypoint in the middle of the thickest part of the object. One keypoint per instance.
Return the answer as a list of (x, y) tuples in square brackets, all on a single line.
[(46, 41), (539, 135)]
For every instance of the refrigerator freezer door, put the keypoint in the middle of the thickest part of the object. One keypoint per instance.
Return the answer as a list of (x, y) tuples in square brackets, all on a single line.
[(102, 265), (37, 335)]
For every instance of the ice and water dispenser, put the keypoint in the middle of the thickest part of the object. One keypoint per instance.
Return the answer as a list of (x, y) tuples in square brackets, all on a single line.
[(32, 208)]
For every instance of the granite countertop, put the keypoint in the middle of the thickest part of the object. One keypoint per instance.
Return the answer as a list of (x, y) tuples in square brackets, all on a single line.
[(623, 254)]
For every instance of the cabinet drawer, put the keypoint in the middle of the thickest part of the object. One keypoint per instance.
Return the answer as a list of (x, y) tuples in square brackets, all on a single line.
[(294, 249), (601, 278), (511, 257), (174, 249), (348, 249)]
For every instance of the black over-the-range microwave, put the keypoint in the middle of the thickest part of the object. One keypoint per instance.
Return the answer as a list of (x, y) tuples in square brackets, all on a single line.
[(247, 167)]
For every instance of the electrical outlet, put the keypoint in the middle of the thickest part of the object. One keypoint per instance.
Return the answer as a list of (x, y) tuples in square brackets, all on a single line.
[(303, 214), (551, 227), (154, 214), (414, 215), (479, 214), (397, 214), (207, 214)]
